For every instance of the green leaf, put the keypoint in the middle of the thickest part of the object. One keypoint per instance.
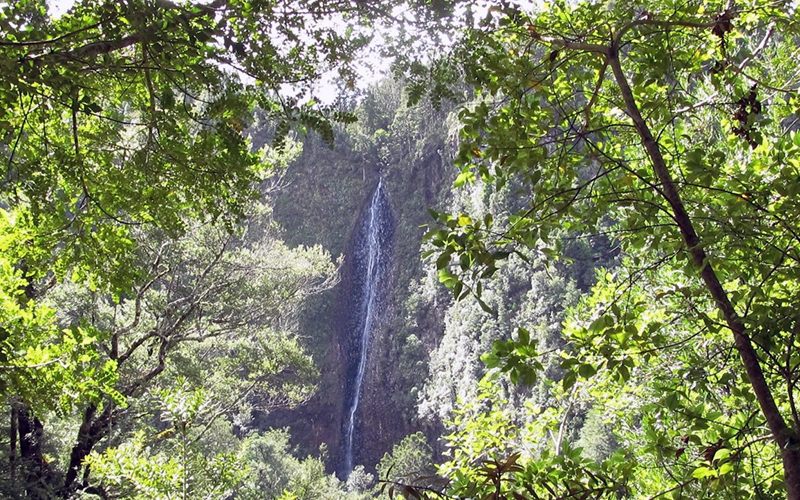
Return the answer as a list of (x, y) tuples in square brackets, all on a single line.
[(586, 370), (463, 178)]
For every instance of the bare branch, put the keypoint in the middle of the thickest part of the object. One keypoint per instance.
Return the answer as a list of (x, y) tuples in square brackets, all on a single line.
[(90, 50)]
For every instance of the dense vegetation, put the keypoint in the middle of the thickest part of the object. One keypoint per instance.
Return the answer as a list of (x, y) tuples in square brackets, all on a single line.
[(670, 128), (621, 246), (148, 304)]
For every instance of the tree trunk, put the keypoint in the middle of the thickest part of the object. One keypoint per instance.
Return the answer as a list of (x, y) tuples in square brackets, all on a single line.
[(12, 444), (93, 428), (782, 434), (36, 469)]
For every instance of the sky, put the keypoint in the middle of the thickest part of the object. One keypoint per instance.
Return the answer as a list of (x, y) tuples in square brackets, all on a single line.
[(58, 7), (371, 68)]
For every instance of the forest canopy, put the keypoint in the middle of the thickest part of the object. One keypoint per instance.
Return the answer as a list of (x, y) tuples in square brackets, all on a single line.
[(670, 128), (132, 244)]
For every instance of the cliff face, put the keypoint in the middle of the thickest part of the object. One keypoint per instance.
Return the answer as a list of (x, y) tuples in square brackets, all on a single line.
[(327, 202), (397, 364)]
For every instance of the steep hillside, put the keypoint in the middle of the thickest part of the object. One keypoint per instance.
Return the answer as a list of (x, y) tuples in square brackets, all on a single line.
[(325, 202), (424, 356)]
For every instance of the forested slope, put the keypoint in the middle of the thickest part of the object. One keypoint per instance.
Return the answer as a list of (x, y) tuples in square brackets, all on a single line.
[(325, 202), (425, 359)]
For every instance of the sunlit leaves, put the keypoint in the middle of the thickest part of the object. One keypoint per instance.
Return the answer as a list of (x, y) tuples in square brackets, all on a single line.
[(178, 466), (51, 366), (713, 84), (482, 467), (516, 357), (121, 116)]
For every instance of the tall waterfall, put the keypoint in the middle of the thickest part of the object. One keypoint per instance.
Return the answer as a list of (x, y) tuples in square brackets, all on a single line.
[(371, 261)]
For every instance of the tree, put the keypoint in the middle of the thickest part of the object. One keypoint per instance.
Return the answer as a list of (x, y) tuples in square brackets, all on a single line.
[(261, 466), (676, 123), (213, 300), (215, 314), (117, 115), (121, 122), (410, 458), (123, 114), (173, 464)]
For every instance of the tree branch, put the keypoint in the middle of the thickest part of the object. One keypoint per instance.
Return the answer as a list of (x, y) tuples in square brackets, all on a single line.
[(86, 51), (783, 436), (33, 43)]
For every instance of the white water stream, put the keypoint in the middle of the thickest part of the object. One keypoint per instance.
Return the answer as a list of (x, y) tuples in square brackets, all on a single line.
[(372, 245)]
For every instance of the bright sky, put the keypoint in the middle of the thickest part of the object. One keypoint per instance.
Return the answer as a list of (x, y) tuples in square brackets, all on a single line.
[(58, 7), (371, 68)]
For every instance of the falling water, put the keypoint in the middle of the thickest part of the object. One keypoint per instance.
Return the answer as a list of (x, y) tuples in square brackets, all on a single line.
[(371, 260)]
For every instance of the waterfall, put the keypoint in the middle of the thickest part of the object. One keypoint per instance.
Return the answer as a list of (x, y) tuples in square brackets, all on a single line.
[(370, 264)]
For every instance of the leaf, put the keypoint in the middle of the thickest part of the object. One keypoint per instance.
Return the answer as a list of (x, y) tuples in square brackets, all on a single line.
[(443, 260), (624, 373), (485, 306), (447, 278), (703, 473), (523, 335), (721, 455), (569, 380), (490, 360), (586, 370), (463, 178)]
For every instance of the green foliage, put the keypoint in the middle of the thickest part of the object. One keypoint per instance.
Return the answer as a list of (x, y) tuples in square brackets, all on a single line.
[(273, 472), (270, 462), (176, 464), (204, 343), (670, 129), (360, 482), (412, 370), (494, 454), (596, 437), (51, 366), (173, 464), (523, 340), (117, 115), (409, 461), (128, 167), (515, 355)]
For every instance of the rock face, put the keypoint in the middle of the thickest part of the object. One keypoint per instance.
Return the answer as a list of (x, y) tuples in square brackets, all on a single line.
[(369, 284), (391, 167)]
